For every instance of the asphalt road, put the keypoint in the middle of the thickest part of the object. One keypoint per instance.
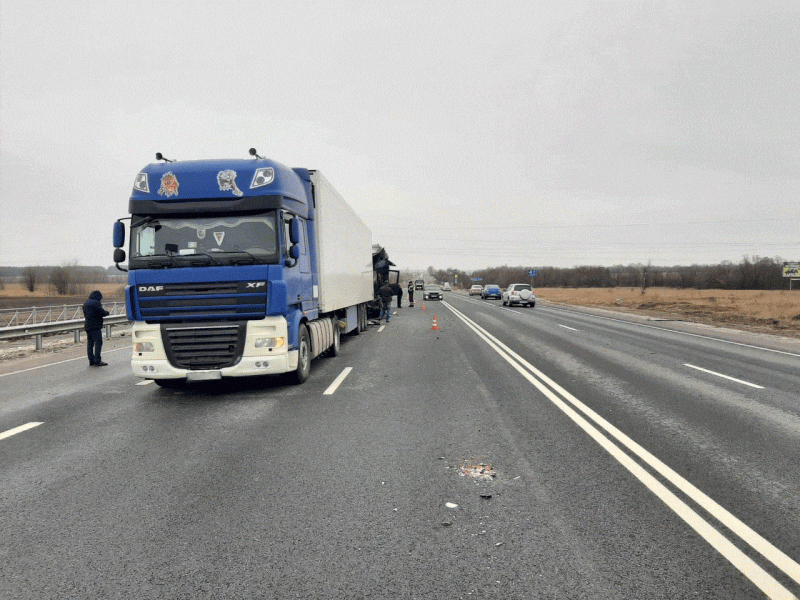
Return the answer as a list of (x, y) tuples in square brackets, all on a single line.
[(631, 459)]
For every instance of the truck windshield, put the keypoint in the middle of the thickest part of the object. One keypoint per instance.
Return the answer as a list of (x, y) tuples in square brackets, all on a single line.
[(160, 242)]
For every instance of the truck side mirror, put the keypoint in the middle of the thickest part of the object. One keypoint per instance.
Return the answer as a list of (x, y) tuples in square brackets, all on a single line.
[(119, 235), (119, 255), (292, 256), (294, 231)]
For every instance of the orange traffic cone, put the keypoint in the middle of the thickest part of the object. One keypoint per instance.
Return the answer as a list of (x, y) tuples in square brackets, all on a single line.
[(435, 326), (423, 306)]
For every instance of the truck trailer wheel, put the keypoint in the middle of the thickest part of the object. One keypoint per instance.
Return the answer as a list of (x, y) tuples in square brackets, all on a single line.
[(337, 339), (303, 355), (362, 319)]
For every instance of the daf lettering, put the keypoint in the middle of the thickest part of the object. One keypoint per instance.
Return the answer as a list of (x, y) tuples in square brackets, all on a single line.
[(151, 288)]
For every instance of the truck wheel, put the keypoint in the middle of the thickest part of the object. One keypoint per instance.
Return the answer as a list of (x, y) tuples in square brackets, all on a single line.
[(303, 355), (361, 311), (337, 339)]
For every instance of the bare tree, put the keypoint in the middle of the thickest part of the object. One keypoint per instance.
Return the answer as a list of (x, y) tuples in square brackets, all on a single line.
[(60, 279), (29, 278)]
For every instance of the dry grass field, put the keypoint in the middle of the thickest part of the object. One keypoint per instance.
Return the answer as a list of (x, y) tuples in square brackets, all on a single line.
[(764, 311), (15, 295)]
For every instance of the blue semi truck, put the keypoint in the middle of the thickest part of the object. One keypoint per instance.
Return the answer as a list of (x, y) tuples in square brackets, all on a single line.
[(240, 267)]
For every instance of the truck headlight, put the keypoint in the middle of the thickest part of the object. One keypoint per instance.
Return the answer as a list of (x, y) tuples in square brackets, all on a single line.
[(276, 342), (143, 347)]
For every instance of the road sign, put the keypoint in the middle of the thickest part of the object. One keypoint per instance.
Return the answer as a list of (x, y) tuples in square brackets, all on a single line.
[(476, 278), (532, 272), (791, 269)]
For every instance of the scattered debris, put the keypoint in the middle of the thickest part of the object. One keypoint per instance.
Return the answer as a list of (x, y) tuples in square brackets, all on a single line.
[(451, 505), (486, 496), (478, 470)]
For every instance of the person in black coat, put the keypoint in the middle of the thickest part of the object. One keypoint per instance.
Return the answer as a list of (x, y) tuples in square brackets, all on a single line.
[(385, 293), (398, 291), (93, 313), (411, 293)]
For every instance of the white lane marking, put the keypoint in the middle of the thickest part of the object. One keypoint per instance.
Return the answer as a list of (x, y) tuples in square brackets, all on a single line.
[(381, 328), (145, 382), (763, 580), (565, 327), (697, 335), (61, 362), (337, 382), (19, 429), (753, 385)]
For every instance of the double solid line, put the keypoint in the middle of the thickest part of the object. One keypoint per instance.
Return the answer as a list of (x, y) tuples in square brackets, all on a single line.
[(613, 441)]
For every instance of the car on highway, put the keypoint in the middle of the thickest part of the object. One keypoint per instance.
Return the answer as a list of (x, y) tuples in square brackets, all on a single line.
[(519, 293), (419, 284), (432, 292), (475, 290), (446, 287), (492, 290)]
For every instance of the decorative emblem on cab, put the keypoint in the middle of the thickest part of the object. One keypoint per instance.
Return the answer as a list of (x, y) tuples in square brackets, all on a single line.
[(169, 185), (227, 182)]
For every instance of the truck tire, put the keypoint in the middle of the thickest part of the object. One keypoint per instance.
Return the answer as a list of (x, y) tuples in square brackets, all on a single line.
[(362, 319), (303, 355), (337, 339)]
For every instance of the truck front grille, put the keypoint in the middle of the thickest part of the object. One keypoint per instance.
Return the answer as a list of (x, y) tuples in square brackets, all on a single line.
[(207, 346), (182, 302)]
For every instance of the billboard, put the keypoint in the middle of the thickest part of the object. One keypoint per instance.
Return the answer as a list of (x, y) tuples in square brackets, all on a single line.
[(791, 269)]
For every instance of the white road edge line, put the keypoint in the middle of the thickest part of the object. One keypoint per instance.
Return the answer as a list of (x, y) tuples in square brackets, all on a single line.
[(761, 578), (697, 335), (753, 385), (61, 362), (19, 429), (145, 382), (337, 382)]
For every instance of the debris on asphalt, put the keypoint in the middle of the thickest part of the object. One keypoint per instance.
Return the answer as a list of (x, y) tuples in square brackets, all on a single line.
[(451, 505), (478, 470)]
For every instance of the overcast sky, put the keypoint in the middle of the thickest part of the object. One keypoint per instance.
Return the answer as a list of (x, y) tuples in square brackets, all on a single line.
[(466, 134)]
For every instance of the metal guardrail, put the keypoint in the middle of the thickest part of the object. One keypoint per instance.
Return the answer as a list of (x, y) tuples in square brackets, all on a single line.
[(36, 315), (39, 330)]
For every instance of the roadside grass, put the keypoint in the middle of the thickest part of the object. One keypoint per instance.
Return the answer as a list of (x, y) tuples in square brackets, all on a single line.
[(16, 295), (774, 309)]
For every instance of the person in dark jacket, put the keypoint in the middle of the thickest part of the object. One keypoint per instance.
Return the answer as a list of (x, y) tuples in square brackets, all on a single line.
[(93, 313), (385, 293), (398, 291), (411, 293)]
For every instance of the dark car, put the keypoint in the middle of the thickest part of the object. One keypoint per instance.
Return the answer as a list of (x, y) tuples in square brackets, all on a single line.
[(492, 290), (432, 292)]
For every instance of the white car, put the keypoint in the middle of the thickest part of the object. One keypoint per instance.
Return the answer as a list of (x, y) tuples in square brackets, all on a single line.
[(475, 290), (446, 287), (519, 293)]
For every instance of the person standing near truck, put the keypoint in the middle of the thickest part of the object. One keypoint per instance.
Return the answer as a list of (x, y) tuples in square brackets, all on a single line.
[(93, 313), (411, 293), (398, 291), (385, 293)]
